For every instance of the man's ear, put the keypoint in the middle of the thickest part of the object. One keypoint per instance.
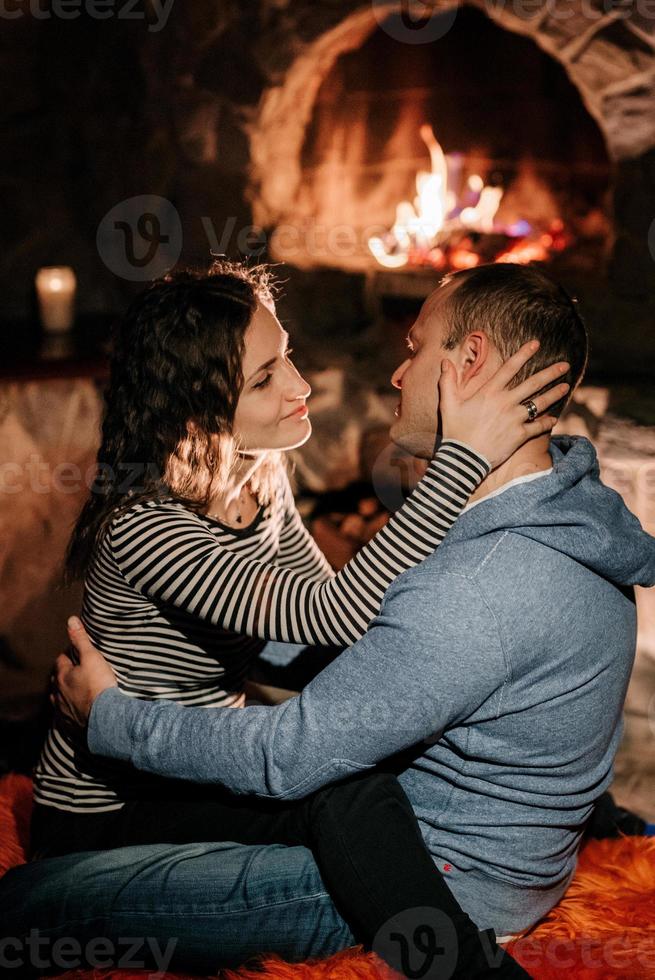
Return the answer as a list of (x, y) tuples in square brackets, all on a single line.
[(473, 355)]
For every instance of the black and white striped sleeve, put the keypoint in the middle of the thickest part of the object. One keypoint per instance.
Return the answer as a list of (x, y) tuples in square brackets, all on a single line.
[(169, 555), (298, 549)]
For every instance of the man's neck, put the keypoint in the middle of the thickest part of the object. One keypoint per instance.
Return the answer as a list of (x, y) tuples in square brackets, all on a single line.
[(532, 457)]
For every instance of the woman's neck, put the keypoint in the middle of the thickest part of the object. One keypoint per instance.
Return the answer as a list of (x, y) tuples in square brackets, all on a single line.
[(242, 472)]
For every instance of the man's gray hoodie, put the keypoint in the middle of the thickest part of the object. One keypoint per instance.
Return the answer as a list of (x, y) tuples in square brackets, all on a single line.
[(495, 675)]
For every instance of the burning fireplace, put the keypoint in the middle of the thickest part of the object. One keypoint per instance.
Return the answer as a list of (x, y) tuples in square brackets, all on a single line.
[(534, 112), (474, 148), (459, 229)]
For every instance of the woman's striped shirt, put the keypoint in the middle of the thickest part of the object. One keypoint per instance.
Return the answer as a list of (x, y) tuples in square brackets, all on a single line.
[(181, 605)]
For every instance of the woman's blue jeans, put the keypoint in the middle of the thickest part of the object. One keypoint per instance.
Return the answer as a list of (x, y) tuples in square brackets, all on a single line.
[(195, 907)]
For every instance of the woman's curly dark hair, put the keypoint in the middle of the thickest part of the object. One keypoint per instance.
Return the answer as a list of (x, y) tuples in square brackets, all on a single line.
[(176, 359)]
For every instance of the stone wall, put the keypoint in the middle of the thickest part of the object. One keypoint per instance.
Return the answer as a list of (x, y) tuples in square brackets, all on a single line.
[(48, 441)]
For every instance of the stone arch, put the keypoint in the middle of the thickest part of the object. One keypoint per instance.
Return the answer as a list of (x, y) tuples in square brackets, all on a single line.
[(608, 54)]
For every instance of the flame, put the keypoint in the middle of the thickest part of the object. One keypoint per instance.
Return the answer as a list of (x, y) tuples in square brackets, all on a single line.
[(464, 258), (442, 231), (524, 252), (481, 217), (419, 223), (537, 249)]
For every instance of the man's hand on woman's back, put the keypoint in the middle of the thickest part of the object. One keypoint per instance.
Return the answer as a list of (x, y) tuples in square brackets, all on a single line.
[(76, 685)]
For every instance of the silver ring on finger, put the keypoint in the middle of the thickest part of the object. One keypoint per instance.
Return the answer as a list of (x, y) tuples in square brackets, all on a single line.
[(532, 410)]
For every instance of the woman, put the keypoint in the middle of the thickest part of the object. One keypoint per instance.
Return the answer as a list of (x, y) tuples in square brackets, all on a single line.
[(188, 572)]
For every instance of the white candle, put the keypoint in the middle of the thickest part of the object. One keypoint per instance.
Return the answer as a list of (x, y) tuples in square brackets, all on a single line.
[(55, 289)]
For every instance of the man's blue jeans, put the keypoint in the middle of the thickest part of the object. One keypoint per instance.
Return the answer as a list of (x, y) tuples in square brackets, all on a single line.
[(195, 907)]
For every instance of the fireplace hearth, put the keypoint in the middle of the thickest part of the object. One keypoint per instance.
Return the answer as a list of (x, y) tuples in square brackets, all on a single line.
[(475, 148), (531, 101)]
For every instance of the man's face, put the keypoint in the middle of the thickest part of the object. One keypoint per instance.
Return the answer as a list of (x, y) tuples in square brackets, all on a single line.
[(417, 378)]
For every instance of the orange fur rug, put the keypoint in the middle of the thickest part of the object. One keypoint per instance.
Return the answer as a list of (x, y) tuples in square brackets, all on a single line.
[(603, 929)]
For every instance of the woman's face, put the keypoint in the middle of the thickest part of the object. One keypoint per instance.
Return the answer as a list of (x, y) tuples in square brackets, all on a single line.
[(271, 412)]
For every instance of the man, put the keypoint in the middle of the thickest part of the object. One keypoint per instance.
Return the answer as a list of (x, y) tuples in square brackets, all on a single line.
[(496, 672)]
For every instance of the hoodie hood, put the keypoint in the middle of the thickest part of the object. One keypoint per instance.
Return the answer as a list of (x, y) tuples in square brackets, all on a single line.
[(571, 511)]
